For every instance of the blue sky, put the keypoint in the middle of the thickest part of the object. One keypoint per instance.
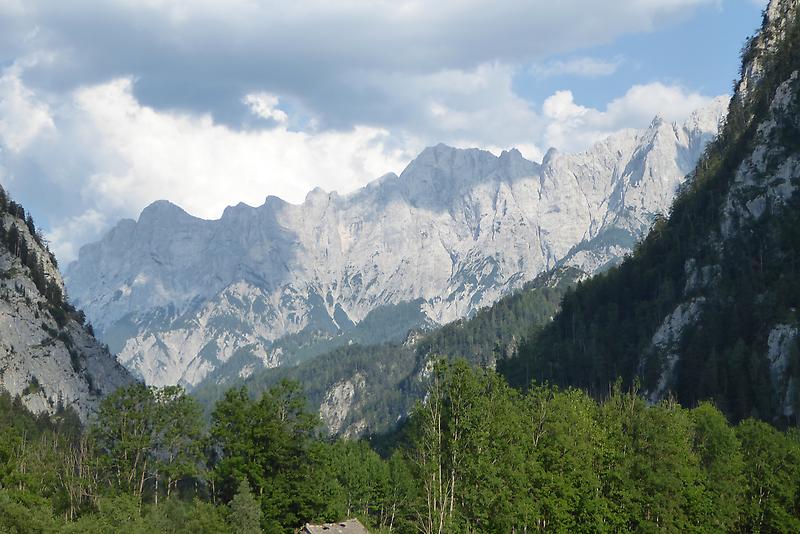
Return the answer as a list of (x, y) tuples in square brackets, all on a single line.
[(106, 106), (699, 50)]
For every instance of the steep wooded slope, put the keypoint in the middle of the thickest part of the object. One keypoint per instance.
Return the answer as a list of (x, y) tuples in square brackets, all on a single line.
[(707, 305)]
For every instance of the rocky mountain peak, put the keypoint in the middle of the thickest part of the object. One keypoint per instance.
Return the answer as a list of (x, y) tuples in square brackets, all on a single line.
[(657, 122), (242, 211), (552, 154), (777, 16), (458, 229), (162, 211), (708, 117), (317, 195)]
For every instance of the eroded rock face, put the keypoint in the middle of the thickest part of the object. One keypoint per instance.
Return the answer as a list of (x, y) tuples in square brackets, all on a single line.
[(666, 342), (338, 404), (781, 345), (46, 365), (179, 297)]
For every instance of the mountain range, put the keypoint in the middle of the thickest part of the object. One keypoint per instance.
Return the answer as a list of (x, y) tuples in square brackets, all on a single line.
[(181, 299)]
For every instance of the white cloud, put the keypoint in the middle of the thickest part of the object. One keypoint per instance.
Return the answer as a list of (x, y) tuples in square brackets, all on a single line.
[(204, 55), (22, 116), (641, 102), (265, 105), (73, 231), (572, 127), (134, 155), (205, 167), (587, 67), (465, 108)]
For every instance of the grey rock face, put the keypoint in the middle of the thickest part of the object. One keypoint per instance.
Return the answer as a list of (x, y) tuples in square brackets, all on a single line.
[(44, 364), (178, 296)]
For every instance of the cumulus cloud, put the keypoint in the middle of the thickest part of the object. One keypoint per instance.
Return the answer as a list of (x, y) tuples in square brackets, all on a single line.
[(199, 55), (22, 116), (265, 105), (572, 127), (89, 225), (205, 166), (475, 107)]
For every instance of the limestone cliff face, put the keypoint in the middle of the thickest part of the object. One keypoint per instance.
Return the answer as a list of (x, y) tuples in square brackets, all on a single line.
[(340, 401), (47, 357), (179, 297)]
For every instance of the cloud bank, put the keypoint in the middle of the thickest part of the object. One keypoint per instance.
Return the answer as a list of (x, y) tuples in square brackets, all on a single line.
[(108, 106)]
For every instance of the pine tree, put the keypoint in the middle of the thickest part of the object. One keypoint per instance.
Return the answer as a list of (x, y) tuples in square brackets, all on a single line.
[(12, 240), (245, 512), (31, 226)]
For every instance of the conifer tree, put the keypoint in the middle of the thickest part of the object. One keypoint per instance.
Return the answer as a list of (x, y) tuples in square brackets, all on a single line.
[(245, 512)]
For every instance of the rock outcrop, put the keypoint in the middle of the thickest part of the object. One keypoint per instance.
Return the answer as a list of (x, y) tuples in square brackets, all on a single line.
[(47, 356)]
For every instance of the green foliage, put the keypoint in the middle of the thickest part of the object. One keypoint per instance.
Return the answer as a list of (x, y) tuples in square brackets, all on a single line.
[(24, 513), (606, 325), (489, 459), (123, 513), (245, 512), (720, 455), (771, 501), (479, 457), (271, 443), (148, 439)]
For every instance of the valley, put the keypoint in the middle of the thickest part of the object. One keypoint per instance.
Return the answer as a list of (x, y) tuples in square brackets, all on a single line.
[(603, 341)]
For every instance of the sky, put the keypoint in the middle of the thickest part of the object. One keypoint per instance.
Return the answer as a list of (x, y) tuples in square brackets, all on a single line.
[(107, 106)]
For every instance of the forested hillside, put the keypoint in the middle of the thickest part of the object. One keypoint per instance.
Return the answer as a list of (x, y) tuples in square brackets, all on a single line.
[(706, 308)]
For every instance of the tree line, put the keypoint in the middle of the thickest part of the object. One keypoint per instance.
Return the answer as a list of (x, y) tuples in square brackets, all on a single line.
[(477, 456)]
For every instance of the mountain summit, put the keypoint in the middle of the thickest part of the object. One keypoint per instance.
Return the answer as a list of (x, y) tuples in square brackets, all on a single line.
[(179, 297)]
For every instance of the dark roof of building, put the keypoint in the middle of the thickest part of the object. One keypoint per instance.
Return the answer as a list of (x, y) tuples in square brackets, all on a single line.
[(351, 526)]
